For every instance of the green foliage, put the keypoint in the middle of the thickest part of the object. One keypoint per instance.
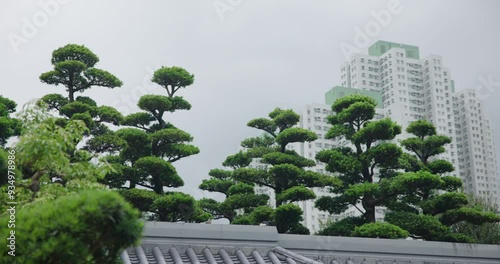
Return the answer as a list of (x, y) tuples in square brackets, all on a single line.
[(421, 128), (419, 204), (140, 120), (74, 69), (91, 227), (174, 207), (139, 198), (53, 101), (138, 144), (238, 160), (356, 166), (484, 233), (239, 195), (426, 144), (147, 151), (9, 126), (285, 173), (76, 107), (470, 215), (5, 167), (243, 220), (344, 227), (288, 217), (262, 213), (294, 134), (444, 202), (380, 230), (275, 158), (170, 143), (295, 194), (47, 155), (172, 79), (155, 104), (162, 173), (110, 143), (418, 225)]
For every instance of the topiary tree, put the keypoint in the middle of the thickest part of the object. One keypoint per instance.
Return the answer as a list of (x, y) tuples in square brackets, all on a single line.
[(89, 227), (239, 196), (485, 233), (9, 126), (143, 153), (380, 230), (74, 69), (286, 174), (424, 201), (357, 165)]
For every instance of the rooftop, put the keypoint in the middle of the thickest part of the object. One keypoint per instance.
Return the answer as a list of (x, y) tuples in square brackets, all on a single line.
[(380, 47), (234, 244)]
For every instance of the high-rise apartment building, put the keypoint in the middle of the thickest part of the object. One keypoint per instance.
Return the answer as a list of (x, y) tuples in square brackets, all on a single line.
[(412, 88), (475, 147)]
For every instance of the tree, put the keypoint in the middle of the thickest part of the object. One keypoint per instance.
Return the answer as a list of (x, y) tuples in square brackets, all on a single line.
[(9, 126), (357, 165), (424, 201), (74, 69), (88, 227), (286, 174), (58, 201), (143, 152), (46, 154), (238, 195), (485, 233)]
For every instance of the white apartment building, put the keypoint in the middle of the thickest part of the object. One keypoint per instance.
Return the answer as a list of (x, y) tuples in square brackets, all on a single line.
[(412, 88), (475, 147)]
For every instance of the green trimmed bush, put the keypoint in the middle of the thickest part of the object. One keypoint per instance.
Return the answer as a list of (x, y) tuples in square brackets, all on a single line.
[(380, 230), (93, 226)]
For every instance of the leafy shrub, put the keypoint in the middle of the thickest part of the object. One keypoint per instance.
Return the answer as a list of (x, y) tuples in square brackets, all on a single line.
[(89, 227), (344, 227), (380, 230)]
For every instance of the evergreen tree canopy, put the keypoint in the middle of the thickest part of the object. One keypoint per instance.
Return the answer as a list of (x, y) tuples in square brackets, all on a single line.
[(356, 165), (238, 195), (285, 172), (425, 201), (74, 69), (9, 126)]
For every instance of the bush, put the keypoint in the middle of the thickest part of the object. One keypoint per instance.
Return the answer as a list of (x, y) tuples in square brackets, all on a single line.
[(380, 230), (344, 227), (89, 227), (140, 198)]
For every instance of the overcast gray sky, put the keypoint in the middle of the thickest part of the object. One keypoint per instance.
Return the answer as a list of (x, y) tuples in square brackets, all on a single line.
[(248, 57)]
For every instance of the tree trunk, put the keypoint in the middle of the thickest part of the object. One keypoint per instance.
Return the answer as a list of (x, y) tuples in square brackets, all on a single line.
[(71, 95), (368, 202)]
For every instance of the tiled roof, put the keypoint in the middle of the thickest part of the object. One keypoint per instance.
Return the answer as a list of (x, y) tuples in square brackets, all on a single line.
[(211, 255), (175, 243)]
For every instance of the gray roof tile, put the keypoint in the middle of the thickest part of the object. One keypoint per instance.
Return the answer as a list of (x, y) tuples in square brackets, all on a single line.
[(170, 243), (174, 255)]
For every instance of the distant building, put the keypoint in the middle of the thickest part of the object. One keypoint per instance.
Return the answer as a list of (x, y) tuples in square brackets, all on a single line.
[(475, 147)]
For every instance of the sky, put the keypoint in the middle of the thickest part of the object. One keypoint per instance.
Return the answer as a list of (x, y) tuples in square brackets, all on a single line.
[(248, 57)]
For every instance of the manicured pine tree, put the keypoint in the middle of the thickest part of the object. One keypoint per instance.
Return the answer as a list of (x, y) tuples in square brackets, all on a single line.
[(286, 174)]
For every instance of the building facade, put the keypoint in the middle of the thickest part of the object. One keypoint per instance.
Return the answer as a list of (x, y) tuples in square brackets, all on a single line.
[(475, 147)]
